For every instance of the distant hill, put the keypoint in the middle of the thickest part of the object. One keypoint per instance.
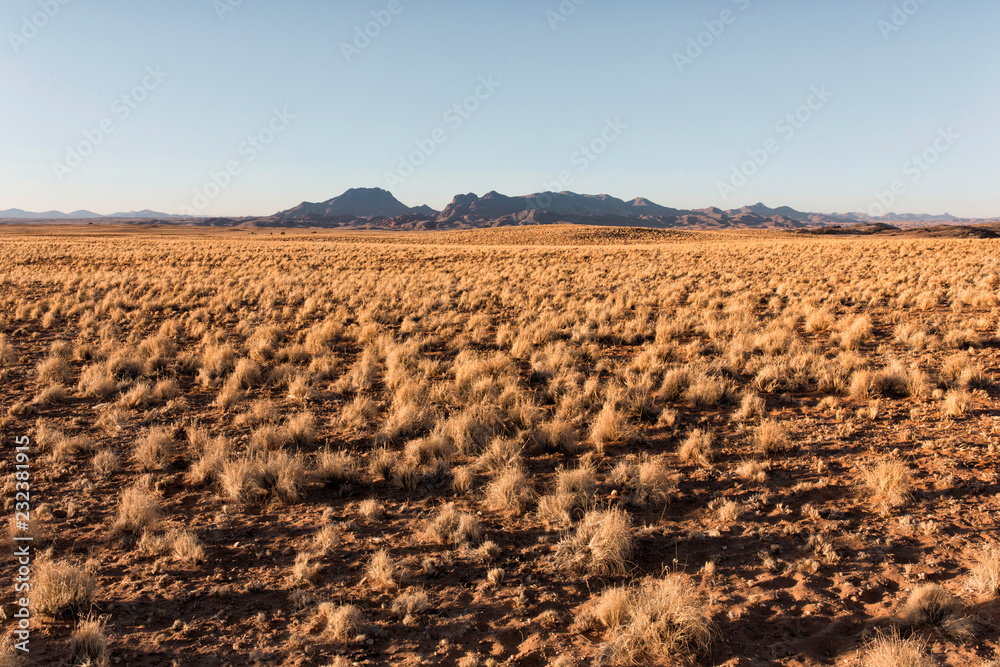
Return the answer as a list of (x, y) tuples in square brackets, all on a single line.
[(356, 203), (494, 205)]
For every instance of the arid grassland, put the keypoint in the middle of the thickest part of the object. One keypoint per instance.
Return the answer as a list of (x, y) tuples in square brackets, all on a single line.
[(509, 447)]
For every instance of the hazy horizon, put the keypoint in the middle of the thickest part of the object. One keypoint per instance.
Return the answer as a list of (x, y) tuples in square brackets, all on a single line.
[(859, 106)]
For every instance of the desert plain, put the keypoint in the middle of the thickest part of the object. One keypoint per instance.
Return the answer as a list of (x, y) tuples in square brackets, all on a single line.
[(520, 446)]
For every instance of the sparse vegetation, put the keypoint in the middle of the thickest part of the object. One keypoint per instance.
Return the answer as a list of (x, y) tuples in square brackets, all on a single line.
[(336, 445)]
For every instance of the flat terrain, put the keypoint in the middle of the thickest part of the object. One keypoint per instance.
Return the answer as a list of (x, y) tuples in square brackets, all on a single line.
[(510, 446)]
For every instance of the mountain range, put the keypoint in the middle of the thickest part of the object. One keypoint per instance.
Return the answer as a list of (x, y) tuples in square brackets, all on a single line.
[(378, 208), (375, 208), (18, 214)]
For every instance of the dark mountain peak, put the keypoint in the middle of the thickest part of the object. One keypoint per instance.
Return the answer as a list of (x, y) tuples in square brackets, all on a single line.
[(765, 211), (356, 202)]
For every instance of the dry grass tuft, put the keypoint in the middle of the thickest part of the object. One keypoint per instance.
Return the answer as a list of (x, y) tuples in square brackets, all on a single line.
[(339, 623), (371, 509), (696, 450), (559, 435), (574, 490), (410, 603), (600, 545), (212, 455), (957, 403), (610, 427), (60, 588), (888, 482), (381, 570), (138, 509), (186, 547), (106, 463), (305, 567), (88, 645), (155, 449), (771, 438), (450, 526), (752, 470), (326, 538), (336, 469), (510, 491), (933, 605), (648, 482), (382, 463), (276, 475), (659, 621), (752, 406), (892, 650), (984, 577), (609, 611)]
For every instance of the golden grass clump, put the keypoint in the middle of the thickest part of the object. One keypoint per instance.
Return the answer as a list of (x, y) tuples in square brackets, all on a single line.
[(60, 588), (696, 450), (371, 509), (336, 468), (771, 438), (646, 482), (451, 526), (984, 576), (888, 482), (106, 463), (88, 645), (97, 381), (933, 605), (893, 650), (138, 508), (752, 406), (275, 475), (382, 571), (574, 491), (610, 427), (510, 490), (601, 543), (186, 547), (54, 369), (957, 403), (211, 457), (182, 545), (155, 449), (306, 568), (657, 621), (338, 623), (410, 603)]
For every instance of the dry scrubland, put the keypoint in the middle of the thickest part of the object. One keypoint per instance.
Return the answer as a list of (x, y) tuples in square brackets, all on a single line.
[(311, 449)]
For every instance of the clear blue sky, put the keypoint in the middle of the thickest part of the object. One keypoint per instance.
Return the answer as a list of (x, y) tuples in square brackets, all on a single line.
[(685, 128)]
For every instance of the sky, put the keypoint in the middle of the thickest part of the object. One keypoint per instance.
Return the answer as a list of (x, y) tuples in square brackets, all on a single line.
[(248, 107)]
